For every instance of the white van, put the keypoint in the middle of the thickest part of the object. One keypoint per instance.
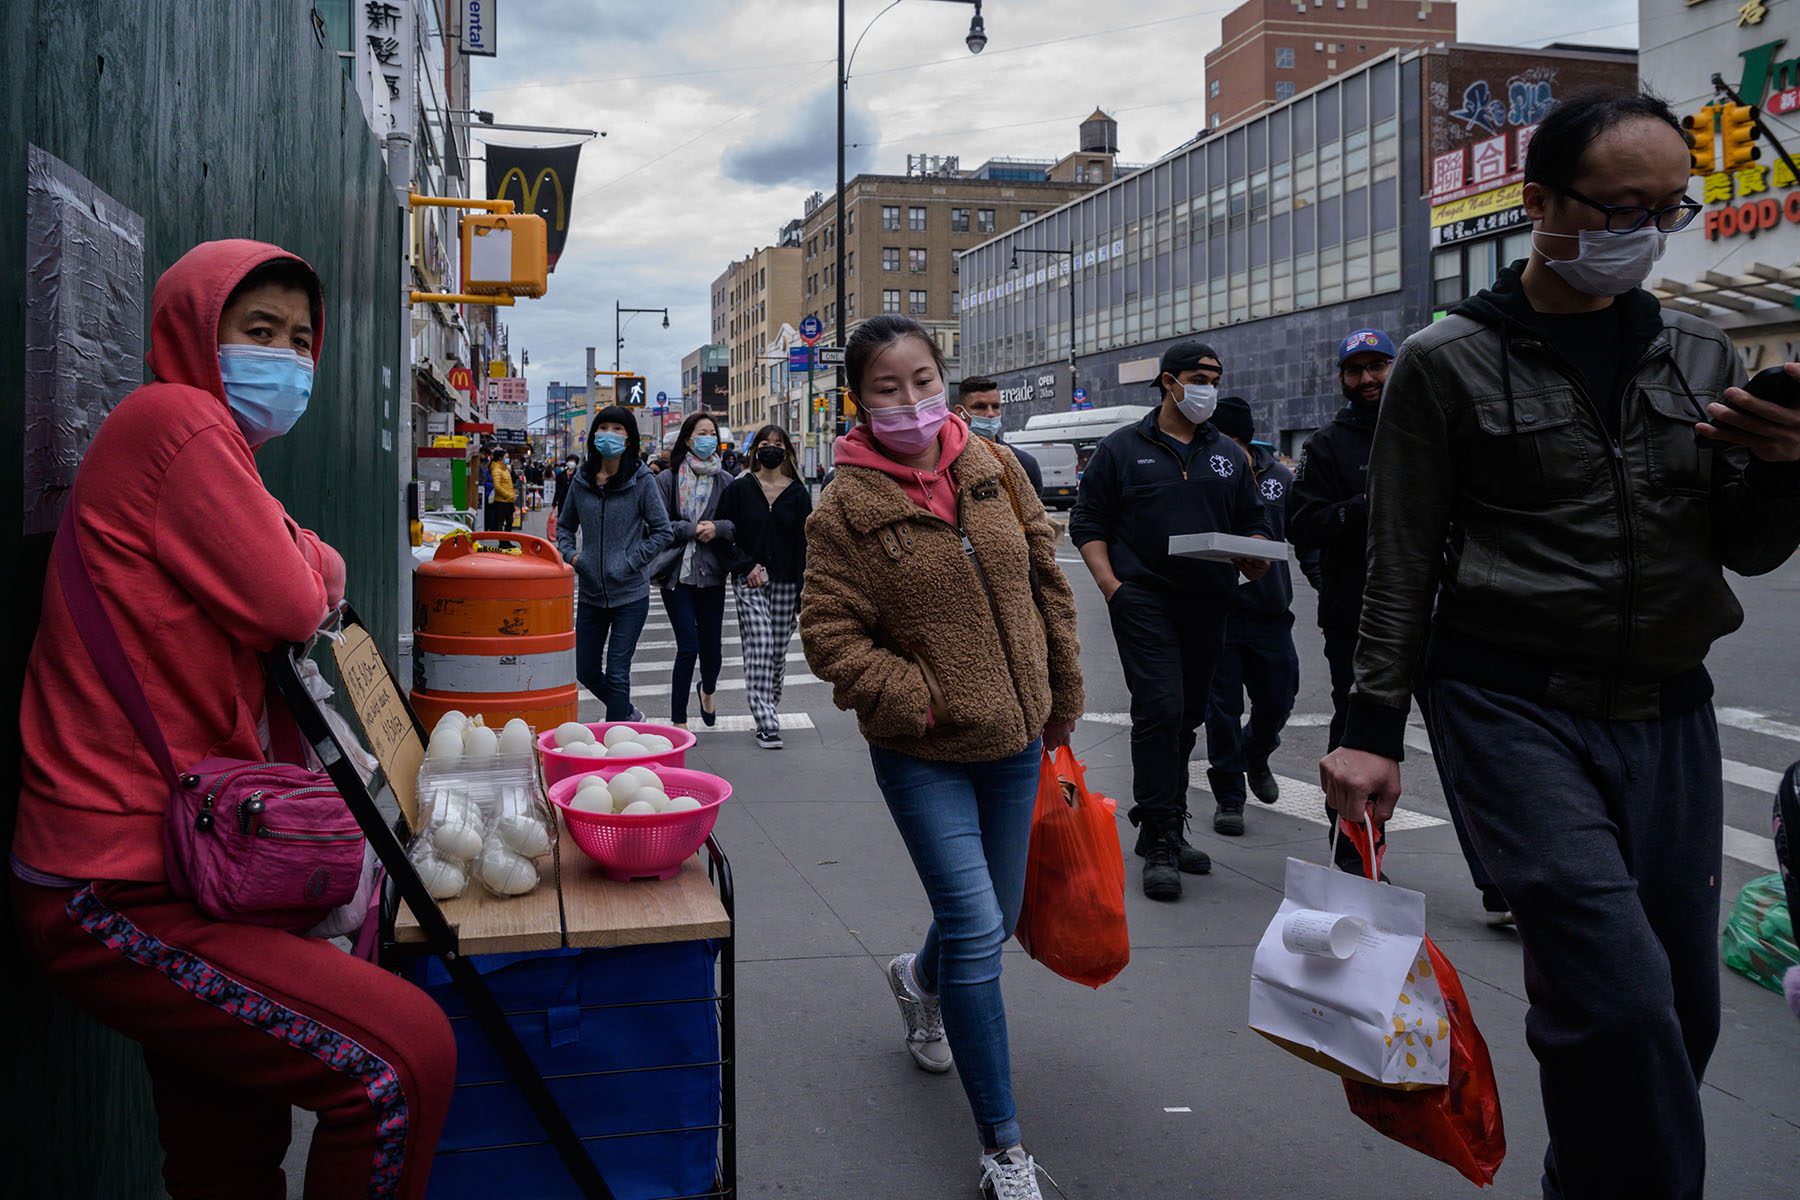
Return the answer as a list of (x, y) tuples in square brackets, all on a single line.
[(1082, 429), (1060, 466)]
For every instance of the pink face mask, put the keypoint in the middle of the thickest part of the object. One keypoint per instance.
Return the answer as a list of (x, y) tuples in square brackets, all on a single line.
[(909, 428)]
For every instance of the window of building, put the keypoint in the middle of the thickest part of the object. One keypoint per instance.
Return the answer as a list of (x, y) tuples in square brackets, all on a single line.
[(850, 263), (1284, 90), (890, 216), (915, 219), (915, 260), (915, 302), (850, 304), (1447, 277), (959, 220), (850, 222), (1284, 58), (890, 258), (1212, 89), (984, 220), (830, 278), (955, 300), (1027, 214), (890, 300)]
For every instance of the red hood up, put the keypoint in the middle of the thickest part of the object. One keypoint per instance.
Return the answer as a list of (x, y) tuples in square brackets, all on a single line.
[(185, 308)]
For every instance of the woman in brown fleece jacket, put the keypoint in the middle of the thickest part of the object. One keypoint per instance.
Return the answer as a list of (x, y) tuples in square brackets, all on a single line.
[(934, 605)]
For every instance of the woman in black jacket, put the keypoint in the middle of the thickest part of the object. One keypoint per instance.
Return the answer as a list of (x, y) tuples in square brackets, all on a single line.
[(767, 507)]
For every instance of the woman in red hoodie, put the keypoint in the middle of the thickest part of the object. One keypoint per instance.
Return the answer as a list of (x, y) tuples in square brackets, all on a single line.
[(933, 604), (199, 568)]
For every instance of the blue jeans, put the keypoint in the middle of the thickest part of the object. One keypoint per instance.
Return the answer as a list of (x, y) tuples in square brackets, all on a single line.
[(697, 615), (968, 827), (603, 664)]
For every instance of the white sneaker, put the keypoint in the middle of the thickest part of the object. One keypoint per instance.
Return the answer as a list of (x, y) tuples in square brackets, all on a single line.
[(925, 1039), (1009, 1175)]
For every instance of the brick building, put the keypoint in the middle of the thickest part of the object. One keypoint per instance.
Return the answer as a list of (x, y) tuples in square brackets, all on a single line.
[(1273, 50), (751, 301)]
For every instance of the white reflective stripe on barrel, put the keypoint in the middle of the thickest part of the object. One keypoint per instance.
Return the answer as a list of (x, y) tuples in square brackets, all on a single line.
[(494, 673)]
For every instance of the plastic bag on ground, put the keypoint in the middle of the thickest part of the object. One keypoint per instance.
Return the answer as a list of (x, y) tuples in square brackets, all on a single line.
[(1073, 919), (1758, 942), (1459, 1123)]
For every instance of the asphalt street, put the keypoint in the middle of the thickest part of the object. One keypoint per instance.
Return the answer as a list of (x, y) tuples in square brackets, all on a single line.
[(1154, 1085)]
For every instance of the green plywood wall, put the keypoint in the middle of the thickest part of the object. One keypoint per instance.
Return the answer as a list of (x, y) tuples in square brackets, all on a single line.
[(208, 120)]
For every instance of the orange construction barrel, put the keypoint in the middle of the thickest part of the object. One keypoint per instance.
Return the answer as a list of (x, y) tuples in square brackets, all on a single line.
[(494, 632)]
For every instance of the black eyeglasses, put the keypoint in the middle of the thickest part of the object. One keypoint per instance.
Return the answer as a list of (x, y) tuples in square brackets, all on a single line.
[(1628, 218)]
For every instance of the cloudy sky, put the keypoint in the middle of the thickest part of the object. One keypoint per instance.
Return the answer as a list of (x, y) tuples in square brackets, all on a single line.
[(720, 118)]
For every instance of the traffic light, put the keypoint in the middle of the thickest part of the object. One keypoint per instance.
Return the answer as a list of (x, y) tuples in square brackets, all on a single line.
[(1737, 133), (1704, 150), (628, 390)]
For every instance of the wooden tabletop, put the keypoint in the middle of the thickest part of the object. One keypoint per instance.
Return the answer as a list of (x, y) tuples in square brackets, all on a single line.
[(594, 910), (598, 911), (490, 924)]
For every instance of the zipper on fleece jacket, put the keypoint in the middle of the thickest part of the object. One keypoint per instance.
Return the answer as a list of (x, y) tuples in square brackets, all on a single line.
[(1179, 465), (968, 549)]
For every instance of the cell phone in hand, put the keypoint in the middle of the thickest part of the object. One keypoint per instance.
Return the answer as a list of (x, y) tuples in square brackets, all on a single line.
[(1772, 384)]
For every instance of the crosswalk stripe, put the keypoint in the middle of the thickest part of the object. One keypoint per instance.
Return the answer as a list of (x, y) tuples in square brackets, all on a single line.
[(647, 690), (670, 645), (747, 724), (1749, 848), (1745, 775), (1307, 802), (643, 668), (1755, 722)]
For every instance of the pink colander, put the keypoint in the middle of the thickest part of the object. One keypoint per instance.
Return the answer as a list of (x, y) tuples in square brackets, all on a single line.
[(559, 766), (647, 846)]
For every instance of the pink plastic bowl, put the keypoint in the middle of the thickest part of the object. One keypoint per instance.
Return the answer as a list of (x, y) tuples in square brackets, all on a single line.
[(643, 846), (559, 766)]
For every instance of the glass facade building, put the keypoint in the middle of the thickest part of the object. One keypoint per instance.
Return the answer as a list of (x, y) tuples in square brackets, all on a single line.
[(1301, 209)]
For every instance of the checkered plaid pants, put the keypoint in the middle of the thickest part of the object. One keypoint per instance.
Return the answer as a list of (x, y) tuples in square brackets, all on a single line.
[(766, 617)]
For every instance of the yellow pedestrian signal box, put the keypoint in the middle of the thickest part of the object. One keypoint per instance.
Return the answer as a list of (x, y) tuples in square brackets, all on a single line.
[(505, 254), (1704, 150), (1737, 134)]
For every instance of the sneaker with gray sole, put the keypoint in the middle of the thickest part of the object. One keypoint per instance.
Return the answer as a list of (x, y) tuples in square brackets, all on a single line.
[(1010, 1175), (925, 1039)]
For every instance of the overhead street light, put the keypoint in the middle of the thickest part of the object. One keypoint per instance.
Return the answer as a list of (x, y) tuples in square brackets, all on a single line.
[(619, 331), (976, 42)]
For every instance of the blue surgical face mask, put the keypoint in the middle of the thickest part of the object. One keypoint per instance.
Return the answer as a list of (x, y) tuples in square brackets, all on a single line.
[(987, 427), (267, 388), (609, 445), (705, 445)]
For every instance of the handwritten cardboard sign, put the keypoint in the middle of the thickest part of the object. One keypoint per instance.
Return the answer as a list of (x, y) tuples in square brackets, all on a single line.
[(387, 723)]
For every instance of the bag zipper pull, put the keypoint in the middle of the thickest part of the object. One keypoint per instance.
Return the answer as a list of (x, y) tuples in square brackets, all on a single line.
[(248, 809)]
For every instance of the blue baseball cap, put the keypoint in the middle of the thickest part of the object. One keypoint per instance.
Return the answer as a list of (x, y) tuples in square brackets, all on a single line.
[(1365, 341)]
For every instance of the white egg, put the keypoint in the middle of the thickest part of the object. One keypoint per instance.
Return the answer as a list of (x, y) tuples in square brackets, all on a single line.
[(515, 739), (446, 750), (523, 835), (454, 719), (590, 782), (617, 734), (626, 750), (444, 880), (683, 804), (594, 800), (644, 775), (656, 743), (460, 841), (506, 873), (572, 731), (653, 794), (638, 808), (623, 787), (482, 743)]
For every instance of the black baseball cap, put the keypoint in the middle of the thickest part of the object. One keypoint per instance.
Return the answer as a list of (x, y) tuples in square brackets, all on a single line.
[(1184, 356), (1233, 418)]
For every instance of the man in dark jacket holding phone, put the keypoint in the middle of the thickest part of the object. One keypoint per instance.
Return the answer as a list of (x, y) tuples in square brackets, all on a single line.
[(1172, 473), (1547, 548)]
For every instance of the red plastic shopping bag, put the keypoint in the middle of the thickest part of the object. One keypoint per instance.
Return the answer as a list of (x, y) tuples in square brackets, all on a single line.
[(1073, 919), (1459, 1123)]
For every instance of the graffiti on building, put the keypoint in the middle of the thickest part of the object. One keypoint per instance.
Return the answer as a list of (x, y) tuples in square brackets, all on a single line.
[(1531, 99), (1480, 109)]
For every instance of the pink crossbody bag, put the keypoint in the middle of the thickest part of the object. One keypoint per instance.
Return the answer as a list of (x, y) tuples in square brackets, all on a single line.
[(255, 843)]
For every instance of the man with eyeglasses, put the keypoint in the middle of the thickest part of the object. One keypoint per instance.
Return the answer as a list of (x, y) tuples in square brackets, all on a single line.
[(1548, 537)]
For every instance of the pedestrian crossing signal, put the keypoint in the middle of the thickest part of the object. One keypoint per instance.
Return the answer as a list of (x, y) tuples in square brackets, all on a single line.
[(628, 390), (1738, 132), (1703, 148)]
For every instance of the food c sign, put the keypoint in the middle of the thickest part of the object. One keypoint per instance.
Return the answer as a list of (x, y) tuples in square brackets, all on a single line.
[(1751, 217)]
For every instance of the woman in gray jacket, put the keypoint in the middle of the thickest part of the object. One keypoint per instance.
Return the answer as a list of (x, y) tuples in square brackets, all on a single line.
[(692, 573), (613, 503)]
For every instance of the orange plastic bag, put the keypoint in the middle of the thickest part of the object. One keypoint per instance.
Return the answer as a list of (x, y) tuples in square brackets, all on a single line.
[(1459, 1123), (1073, 919)]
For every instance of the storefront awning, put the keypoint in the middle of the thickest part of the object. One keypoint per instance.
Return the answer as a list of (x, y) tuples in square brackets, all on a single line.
[(1762, 290)]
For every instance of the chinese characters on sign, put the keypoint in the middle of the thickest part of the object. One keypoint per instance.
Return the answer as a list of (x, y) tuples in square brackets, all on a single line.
[(386, 48)]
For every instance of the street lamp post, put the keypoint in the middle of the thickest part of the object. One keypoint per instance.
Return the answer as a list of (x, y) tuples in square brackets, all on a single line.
[(1070, 255), (976, 42), (619, 332)]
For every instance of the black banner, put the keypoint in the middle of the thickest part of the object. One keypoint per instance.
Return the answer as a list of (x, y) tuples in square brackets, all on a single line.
[(538, 179)]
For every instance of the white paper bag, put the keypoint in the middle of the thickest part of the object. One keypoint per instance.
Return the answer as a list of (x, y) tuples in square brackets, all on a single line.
[(1376, 1015)]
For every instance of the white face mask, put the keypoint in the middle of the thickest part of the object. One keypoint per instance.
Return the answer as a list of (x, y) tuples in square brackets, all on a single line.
[(1608, 264), (1198, 401)]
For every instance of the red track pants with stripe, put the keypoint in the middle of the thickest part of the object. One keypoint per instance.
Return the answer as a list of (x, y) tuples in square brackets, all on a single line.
[(238, 1023)]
